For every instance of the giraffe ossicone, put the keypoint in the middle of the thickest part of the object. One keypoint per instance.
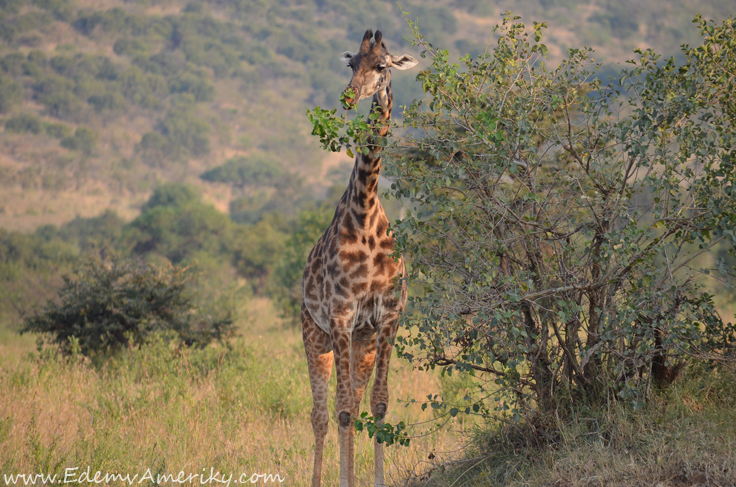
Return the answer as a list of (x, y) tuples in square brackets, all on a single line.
[(352, 292)]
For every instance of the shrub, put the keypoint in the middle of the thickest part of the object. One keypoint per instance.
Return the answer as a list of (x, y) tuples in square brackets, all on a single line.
[(130, 47), (286, 281), (23, 123), (82, 140), (12, 64), (186, 133), (557, 223), (64, 105), (250, 209), (37, 57), (153, 148), (171, 195), (110, 303), (109, 102), (62, 9), (256, 250), (57, 130), (256, 170), (194, 83), (11, 94), (141, 88), (177, 225), (94, 233)]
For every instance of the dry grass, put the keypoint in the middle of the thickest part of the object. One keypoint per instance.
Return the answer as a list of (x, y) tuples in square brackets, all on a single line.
[(684, 437), (241, 411), (246, 410)]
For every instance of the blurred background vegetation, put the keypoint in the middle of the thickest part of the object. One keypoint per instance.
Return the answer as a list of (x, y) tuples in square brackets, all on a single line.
[(175, 130)]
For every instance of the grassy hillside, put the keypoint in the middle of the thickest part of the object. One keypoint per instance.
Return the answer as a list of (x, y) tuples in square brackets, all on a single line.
[(100, 101)]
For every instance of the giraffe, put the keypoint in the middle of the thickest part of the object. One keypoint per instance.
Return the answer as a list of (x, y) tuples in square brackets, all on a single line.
[(350, 300)]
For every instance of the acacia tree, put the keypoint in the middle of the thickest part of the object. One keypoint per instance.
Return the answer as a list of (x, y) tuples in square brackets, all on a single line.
[(556, 221)]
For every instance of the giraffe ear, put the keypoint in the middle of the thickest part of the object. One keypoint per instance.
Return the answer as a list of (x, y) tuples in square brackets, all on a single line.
[(347, 56), (403, 62)]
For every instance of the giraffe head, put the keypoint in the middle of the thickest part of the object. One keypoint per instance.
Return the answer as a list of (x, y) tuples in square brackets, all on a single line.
[(371, 68)]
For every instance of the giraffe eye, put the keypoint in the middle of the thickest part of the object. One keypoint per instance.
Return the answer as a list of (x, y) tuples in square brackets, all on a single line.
[(381, 67)]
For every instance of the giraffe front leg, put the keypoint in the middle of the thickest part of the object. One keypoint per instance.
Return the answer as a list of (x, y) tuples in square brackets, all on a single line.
[(319, 359), (345, 402), (379, 394), (362, 359)]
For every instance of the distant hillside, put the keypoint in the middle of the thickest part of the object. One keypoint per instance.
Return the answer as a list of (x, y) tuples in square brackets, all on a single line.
[(100, 101)]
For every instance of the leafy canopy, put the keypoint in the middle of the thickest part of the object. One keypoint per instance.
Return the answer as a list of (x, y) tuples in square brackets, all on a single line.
[(558, 225)]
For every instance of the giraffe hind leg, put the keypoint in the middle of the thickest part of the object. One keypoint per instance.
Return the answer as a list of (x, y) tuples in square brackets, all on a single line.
[(362, 359), (379, 394), (319, 359)]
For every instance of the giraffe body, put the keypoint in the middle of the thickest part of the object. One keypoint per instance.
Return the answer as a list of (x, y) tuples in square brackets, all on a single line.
[(350, 299)]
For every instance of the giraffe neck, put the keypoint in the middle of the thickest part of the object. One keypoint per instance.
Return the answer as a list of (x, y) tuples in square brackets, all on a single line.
[(363, 187)]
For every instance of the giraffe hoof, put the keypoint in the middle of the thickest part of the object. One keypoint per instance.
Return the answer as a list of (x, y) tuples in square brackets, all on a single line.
[(344, 419), (380, 411)]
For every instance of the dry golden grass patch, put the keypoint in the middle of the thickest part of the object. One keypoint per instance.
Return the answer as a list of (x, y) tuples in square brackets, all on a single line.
[(242, 410)]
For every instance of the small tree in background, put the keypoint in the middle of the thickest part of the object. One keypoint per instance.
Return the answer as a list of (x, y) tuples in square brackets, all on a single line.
[(286, 286), (110, 303)]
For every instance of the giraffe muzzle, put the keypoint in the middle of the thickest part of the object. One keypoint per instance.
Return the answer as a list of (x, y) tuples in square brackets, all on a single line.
[(349, 98)]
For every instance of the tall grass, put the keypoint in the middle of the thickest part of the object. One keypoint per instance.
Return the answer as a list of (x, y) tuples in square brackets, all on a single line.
[(238, 409), (684, 436), (245, 408)]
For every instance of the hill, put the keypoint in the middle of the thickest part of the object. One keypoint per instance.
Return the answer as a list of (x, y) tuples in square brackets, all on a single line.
[(101, 101)]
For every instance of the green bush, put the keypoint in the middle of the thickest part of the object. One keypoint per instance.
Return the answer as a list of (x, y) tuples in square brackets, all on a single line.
[(62, 9), (254, 170), (37, 57), (286, 280), (23, 123), (130, 47), (21, 253), (153, 149), (174, 223), (64, 105), (12, 64), (143, 89), (172, 195), (187, 134), (250, 209), (109, 102), (256, 249), (195, 83), (89, 234), (11, 94), (57, 130), (83, 140), (107, 304)]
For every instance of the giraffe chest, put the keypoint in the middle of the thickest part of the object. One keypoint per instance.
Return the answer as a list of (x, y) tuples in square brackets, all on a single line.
[(363, 315), (355, 287)]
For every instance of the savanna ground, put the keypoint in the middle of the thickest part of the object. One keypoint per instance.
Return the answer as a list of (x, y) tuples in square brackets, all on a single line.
[(242, 409), (245, 409)]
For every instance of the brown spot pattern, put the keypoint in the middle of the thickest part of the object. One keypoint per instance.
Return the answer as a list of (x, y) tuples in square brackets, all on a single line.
[(350, 309)]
